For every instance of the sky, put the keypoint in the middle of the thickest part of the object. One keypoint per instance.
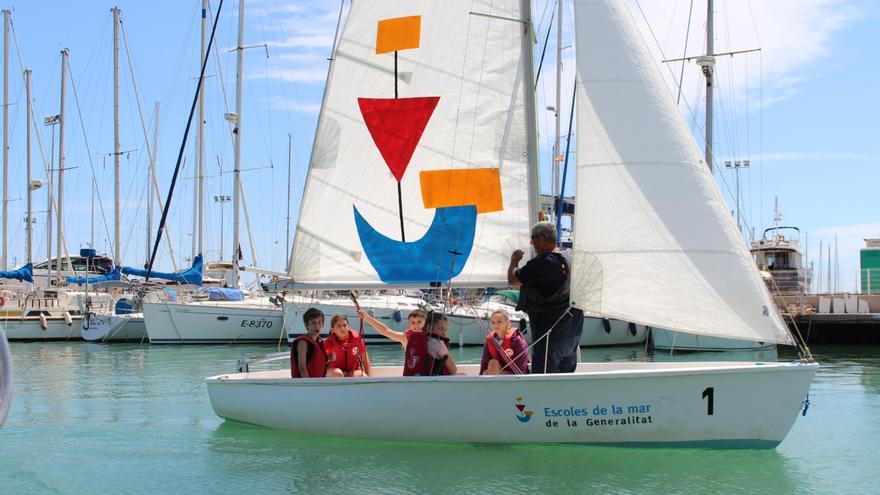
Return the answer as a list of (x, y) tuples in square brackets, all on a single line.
[(802, 110)]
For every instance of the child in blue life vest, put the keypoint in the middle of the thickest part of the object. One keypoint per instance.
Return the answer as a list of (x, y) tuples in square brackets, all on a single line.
[(346, 350), (506, 351)]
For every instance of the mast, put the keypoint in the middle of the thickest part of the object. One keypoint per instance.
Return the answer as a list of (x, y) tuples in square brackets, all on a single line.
[(531, 118), (30, 227), (201, 138), (3, 252), (152, 172), (117, 256), (554, 164), (708, 64), (236, 187), (60, 168), (289, 152)]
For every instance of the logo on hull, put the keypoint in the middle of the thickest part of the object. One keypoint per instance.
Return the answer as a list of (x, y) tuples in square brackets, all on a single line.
[(523, 416)]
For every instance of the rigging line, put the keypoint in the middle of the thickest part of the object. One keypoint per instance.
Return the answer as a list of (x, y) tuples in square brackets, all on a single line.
[(182, 148), (687, 35), (150, 151), (88, 150), (544, 50)]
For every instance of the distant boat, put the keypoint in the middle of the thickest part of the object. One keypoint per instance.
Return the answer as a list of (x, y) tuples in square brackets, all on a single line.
[(655, 244)]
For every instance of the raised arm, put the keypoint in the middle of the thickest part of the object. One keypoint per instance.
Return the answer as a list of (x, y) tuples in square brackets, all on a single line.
[(511, 269), (383, 329)]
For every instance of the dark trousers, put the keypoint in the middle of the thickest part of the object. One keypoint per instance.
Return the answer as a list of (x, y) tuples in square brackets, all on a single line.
[(561, 345)]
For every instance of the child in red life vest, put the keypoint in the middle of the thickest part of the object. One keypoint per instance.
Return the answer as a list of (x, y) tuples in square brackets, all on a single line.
[(427, 352), (416, 322), (506, 351), (307, 356), (346, 349)]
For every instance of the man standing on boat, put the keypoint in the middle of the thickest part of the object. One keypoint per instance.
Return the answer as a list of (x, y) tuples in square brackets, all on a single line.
[(544, 295)]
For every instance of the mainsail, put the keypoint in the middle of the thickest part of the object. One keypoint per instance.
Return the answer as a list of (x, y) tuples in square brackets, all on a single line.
[(419, 169), (654, 242)]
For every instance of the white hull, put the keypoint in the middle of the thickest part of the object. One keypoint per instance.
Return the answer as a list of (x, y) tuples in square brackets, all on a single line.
[(469, 326), (114, 328), (392, 310), (29, 328), (645, 404), (678, 341), (244, 322)]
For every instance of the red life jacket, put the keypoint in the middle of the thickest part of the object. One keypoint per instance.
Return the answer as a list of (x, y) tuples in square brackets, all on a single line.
[(496, 353), (348, 353), (416, 361), (316, 358)]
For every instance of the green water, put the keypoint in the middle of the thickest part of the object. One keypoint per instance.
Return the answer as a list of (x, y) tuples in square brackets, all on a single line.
[(90, 418)]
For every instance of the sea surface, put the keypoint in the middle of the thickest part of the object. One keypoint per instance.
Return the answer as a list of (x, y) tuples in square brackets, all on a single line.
[(93, 418)]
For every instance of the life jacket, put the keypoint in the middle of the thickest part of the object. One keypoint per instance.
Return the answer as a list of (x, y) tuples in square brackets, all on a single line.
[(497, 354), (347, 352), (316, 362), (416, 361)]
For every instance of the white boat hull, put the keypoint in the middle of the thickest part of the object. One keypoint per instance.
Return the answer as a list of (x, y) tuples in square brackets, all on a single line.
[(740, 405), (465, 329), (240, 322), (391, 310), (114, 328), (29, 328), (678, 341)]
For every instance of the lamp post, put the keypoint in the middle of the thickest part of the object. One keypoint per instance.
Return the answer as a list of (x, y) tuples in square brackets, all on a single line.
[(737, 165), (222, 199)]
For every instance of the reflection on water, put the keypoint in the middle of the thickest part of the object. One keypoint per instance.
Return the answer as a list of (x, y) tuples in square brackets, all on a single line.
[(408, 467), (113, 417)]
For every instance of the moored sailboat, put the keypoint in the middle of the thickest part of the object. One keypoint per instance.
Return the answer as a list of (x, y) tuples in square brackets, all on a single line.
[(654, 244)]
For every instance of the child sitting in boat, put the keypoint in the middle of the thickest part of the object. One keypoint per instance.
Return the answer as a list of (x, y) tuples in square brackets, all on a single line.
[(506, 351), (346, 350), (427, 352), (416, 322), (308, 359)]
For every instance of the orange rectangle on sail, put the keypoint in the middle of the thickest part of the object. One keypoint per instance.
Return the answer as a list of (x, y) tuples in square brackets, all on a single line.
[(479, 186), (400, 33)]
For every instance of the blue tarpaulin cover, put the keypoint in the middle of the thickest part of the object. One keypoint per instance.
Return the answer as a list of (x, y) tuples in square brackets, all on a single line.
[(222, 294), (23, 274), (193, 276), (114, 275)]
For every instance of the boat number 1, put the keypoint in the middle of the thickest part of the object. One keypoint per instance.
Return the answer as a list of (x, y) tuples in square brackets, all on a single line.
[(709, 394)]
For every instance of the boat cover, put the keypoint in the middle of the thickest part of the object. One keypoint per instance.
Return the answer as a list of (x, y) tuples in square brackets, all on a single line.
[(193, 276), (23, 274)]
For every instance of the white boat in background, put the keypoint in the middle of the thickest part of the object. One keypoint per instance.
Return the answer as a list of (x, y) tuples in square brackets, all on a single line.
[(108, 327), (667, 340), (45, 314), (655, 244), (253, 320), (391, 309)]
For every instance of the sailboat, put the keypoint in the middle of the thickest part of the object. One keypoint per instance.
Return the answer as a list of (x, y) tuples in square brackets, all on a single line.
[(654, 243)]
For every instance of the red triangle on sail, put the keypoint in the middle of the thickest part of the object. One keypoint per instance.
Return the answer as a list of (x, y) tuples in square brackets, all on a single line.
[(396, 125)]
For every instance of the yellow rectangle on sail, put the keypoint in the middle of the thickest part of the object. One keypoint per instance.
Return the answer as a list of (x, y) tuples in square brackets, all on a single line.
[(400, 33), (479, 186)]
